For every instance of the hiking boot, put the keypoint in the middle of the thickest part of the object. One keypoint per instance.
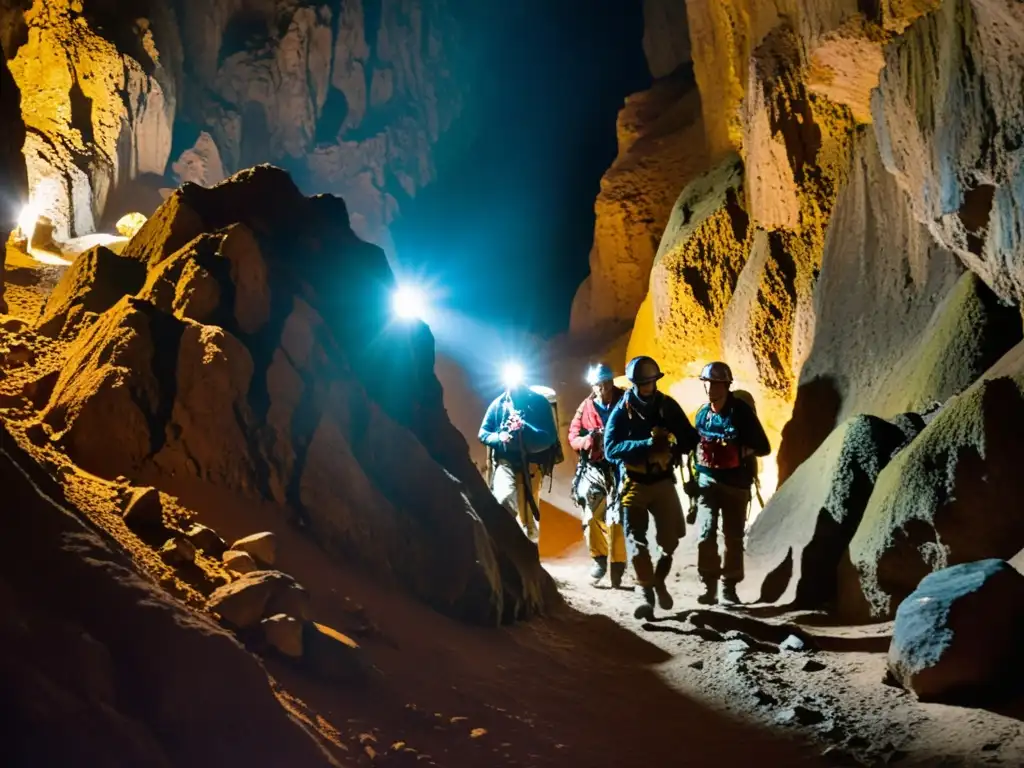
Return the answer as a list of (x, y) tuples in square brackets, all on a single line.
[(618, 571), (665, 601), (599, 568), (646, 609), (710, 596), (729, 596)]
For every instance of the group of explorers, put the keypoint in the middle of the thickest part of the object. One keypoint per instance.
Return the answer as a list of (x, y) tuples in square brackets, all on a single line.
[(631, 445)]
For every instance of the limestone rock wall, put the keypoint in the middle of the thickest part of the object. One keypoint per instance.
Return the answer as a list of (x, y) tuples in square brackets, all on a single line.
[(348, 98), (12, 164), (98, 110)]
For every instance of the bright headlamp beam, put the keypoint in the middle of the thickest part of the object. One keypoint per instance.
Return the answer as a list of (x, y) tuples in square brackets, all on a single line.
[(512, 375), (409, 303)]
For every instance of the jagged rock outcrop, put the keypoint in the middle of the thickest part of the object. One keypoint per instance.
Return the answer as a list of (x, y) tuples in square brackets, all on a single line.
[(348, 96), (258, 356), (660, 148), (945, 499), (12, 163), (115, 696), (795, 545), (956, 638), (98, 113), (951, 134), (350, 99), (897, 324)]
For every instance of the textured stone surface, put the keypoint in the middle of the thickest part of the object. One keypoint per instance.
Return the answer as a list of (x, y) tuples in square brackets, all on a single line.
[(666, 36), (956, 638), (660, 149), (263, 398), (68, 657), (897, 325), (949, 120), (13, 176), (795, 545), (97, 115), (943, 500)]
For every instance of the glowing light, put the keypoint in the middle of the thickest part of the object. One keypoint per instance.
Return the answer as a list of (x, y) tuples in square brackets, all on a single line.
[(512, 375), (409, 303), (27, 220)]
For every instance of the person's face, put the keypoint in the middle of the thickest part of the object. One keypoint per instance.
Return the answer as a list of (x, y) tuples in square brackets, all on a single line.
[(647, 389), (717, 390), (605, 391)]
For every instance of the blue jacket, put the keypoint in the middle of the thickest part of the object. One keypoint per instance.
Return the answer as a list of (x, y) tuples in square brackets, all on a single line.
[(539, 431), (723, 436), (627, 436)]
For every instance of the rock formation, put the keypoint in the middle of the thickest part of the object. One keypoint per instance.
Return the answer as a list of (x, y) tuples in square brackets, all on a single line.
[(12, 163), (350, 99), (847, 237), (955, 637), (252, 348), (97, 116), (98, 654)]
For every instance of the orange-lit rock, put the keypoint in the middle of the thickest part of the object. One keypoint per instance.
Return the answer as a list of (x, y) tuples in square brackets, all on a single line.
[(666, 36), (661, 142), (12, 163), (274, 398), (96, 115)]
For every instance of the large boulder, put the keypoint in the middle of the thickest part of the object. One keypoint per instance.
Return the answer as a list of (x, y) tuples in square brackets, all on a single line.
[(956, 638), (95, 630), (259, 356), (795, 545), (945, 499), (94, 282), (898, 325)]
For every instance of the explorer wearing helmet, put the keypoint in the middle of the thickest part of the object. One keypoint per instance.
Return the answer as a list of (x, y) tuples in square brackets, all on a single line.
[(595, 487), (731, 439), (648, 434), (520, 433)]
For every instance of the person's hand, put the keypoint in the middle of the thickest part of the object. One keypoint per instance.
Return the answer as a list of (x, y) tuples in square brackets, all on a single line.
[(661, 442), (504, 437)]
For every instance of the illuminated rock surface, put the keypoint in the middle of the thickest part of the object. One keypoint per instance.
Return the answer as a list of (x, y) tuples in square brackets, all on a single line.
[(266, 397)]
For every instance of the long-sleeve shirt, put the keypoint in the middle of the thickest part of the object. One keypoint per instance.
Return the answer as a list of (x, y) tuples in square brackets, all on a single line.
[(538, 433), (723, 436), (591, 416), (628, 435)]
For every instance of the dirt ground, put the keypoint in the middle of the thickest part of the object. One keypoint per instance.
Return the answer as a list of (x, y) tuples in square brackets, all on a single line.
[(587, 685)]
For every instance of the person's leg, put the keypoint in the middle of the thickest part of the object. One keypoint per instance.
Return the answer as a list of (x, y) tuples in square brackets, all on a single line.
[(709, 566), (667, 512), (595, 502), (734, 505), (634, 500), (527, 519)]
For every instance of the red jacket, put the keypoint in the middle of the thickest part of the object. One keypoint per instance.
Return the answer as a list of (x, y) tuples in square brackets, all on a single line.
[(587, 418)]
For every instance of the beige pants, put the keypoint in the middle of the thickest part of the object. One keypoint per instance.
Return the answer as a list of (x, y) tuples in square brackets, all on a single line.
[(640, 503), (602, 529), (507, 487)]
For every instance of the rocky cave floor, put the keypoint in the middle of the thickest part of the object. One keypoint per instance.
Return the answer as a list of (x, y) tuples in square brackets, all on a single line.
[(587, 686)]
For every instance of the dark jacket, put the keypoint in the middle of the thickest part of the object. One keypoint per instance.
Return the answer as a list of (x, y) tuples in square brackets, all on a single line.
[(628, 440), (584, 423), (539, 432), (723, 436)]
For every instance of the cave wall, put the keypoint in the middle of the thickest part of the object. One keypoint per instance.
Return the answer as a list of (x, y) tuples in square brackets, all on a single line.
[(350, 97)]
